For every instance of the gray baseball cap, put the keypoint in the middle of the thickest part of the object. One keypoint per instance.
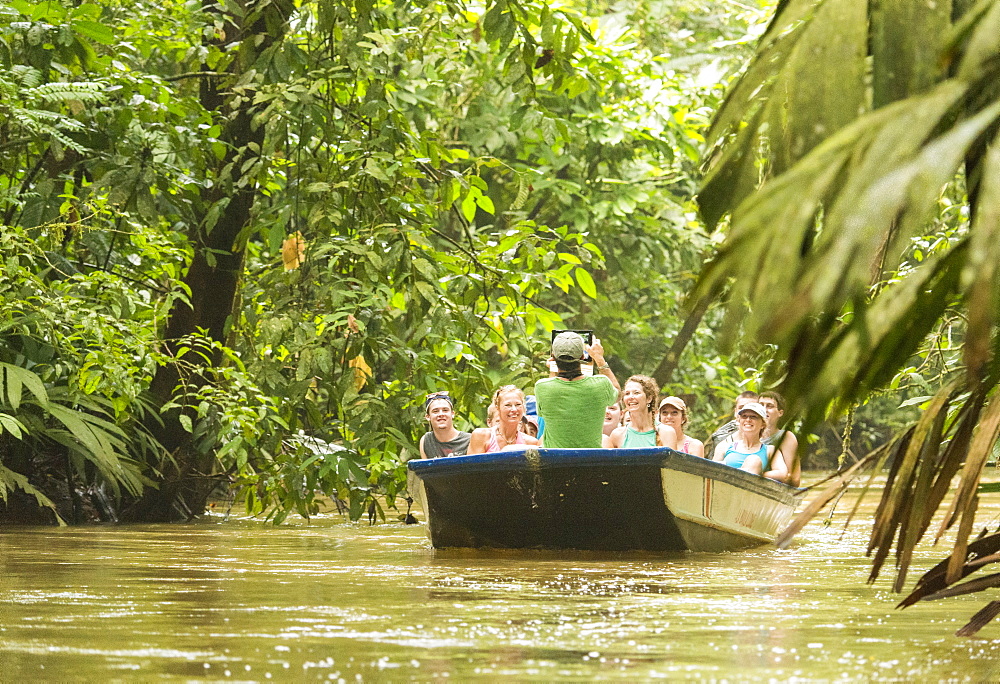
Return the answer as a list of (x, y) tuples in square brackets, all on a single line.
[(568, 346)]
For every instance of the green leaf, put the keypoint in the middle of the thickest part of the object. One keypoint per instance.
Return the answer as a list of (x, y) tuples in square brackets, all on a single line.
[(586, 283), (95, 31), (12, 425), (469, 204)]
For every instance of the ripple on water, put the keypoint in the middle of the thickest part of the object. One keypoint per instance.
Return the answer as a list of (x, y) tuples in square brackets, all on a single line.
[(328, 599)]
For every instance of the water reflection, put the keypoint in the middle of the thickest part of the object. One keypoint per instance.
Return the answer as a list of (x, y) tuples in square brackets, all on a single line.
[(243, 600)]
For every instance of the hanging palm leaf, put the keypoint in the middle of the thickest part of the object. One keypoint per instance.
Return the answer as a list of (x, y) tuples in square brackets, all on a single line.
[(826, 195)]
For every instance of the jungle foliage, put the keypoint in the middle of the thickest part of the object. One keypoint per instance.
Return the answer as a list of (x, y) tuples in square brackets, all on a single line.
[(243, 240), (858, 160)]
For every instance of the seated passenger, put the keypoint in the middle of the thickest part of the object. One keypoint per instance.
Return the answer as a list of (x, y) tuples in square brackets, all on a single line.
[(786, 442), (639, 400), (531, 411), (529, 427), (443, 439), (506, 432), (726, 432), (612, 417), (612, 420), (673, 413), (571, 403), (746, 451)]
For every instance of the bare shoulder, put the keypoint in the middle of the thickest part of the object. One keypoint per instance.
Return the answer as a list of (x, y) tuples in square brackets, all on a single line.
[(720, 451), (668, 436), (478, 440)]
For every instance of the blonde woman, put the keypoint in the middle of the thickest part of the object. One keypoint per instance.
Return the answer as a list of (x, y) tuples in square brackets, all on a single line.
[(673, 412), (506, 431), (639, 400)]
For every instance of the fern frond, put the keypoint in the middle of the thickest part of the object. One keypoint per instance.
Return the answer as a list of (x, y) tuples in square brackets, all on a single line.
[(58, 91)]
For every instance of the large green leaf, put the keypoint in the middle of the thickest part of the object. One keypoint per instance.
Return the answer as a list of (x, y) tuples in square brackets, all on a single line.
[(784, 103)]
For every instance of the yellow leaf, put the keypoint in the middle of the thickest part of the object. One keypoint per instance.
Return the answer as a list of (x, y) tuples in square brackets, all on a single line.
[(362, 371), (293, 251)]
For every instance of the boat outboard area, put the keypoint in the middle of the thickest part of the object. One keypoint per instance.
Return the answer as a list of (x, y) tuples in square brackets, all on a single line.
[(643, 499)]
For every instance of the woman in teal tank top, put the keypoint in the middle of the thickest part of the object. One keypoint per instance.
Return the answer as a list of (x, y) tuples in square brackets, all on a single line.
[(746, 451), (639, 397)]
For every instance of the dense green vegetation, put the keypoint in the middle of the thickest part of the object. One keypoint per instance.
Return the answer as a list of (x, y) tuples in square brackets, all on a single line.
[(228, 229)]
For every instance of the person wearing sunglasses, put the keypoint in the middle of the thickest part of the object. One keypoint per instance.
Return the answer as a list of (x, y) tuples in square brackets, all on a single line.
[(443, 439)]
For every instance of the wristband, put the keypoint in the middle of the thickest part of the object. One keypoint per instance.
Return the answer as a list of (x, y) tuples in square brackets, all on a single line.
[(603, 366)]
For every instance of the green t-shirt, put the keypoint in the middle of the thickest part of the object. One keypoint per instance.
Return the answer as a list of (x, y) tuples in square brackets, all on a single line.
[(574, 410)]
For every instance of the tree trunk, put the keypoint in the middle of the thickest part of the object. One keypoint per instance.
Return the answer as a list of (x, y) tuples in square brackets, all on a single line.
[(665, 370), (217, 266)]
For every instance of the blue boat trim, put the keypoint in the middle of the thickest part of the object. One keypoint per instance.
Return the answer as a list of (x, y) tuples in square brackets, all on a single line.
[(652, 499), (542, 459)]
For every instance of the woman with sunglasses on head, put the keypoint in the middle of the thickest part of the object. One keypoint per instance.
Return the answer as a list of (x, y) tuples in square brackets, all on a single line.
[(443, 439), (746, 451), (507, 432)]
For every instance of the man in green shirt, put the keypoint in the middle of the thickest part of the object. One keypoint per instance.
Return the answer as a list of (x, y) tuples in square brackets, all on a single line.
[(571, 403)]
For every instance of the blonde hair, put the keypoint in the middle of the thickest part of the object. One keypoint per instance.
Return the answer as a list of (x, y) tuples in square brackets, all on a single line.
[(500, 392)]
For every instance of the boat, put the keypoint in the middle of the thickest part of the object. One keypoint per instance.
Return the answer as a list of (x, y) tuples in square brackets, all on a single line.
[(650, 499)]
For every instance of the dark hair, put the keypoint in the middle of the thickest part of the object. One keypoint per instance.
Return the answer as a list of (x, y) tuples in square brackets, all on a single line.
[(435, 397), (748, 394), (568, 369), (778, 399)]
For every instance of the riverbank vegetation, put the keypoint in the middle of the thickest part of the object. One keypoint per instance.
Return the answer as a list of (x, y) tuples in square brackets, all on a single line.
[(231, 231), (241, 241)]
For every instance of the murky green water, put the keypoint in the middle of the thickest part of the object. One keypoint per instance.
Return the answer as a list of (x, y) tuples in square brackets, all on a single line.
[(241, 600)]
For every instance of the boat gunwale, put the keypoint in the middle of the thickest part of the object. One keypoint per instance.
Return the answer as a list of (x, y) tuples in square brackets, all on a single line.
[(535, 459)]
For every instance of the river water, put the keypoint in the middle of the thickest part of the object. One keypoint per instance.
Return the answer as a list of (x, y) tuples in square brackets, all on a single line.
[(241, 600)]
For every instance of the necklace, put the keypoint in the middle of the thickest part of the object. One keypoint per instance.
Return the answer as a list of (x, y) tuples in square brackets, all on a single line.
[(501, 435)]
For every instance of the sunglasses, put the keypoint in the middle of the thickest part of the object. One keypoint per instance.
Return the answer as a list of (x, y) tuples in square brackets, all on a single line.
[(437, 395)]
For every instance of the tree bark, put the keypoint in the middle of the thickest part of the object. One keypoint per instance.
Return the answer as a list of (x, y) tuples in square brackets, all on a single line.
[(665, 370), (217, 265)]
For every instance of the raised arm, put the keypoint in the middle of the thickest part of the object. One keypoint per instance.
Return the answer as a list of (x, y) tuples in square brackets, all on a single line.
[(596, 351)]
